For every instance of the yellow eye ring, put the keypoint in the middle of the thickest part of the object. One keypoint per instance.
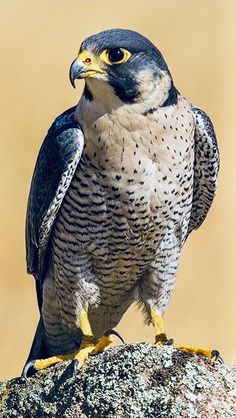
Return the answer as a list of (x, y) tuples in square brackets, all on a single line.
[(115, 56)]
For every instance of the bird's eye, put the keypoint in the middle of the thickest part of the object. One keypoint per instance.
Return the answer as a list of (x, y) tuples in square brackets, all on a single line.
[(115, 56)]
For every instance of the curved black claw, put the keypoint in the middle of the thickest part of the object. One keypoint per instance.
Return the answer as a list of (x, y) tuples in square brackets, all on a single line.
[(169, 342), (162, 338), (75, 363), (217, 357), (113, 332), (30, 364)]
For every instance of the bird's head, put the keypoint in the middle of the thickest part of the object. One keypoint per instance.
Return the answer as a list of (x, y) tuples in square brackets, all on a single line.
[(127, 62)]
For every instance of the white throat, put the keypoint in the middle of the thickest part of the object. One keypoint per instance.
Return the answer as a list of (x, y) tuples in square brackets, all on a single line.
[(153, 93)]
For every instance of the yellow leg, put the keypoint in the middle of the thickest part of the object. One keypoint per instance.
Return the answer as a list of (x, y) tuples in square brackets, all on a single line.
[(89, 346), (158, 324), (84, 323), (161, 339)]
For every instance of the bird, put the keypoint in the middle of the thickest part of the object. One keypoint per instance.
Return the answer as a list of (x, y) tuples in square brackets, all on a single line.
[(121, 180)]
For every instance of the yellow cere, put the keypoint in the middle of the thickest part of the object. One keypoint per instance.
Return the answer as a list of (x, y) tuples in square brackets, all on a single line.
[(91, 63)]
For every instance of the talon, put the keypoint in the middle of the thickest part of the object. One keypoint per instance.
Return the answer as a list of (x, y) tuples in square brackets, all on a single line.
[(27, 367), (75, 363), (109, 332), (169, 342), (217, 357), (161, 339)]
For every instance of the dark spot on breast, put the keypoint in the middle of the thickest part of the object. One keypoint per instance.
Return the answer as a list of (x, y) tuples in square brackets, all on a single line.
[(114, 189), (149, 111), (131, 211)]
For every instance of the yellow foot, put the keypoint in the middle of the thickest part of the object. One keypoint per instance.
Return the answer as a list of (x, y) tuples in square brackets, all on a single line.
[(211, 354), (214, 355), (161, 339), (89, 346)]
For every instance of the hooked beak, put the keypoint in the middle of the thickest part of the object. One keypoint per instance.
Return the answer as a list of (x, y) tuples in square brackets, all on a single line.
[(84, 66)]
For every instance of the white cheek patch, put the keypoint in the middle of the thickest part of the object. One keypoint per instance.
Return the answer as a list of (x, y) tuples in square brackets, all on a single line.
[(154, 90)]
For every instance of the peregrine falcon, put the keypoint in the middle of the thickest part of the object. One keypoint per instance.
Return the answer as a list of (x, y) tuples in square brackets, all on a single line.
[(120, 181)]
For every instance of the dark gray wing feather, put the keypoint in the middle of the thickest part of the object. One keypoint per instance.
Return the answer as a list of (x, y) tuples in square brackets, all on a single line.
[(206, 167), (56, 163)]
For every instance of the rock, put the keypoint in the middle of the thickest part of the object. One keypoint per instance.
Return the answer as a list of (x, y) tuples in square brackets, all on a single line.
[(133, 380)]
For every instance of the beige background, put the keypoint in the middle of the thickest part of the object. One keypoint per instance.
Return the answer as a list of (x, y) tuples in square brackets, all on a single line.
[(39, 39)]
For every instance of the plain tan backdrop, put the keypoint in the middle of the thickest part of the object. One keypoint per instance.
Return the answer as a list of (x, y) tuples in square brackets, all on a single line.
[(39, 39)]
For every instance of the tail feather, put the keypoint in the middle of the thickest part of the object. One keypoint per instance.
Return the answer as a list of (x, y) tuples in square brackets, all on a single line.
[(38, 349)]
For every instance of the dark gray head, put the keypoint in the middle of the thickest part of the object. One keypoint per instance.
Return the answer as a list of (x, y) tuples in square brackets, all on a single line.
[(124, 59)]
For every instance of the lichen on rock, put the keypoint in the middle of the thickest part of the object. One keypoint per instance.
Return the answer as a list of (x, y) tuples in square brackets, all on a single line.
[(132, 380)]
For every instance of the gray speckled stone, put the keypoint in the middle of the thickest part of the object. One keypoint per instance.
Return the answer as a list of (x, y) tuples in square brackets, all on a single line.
[(135, 380)]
